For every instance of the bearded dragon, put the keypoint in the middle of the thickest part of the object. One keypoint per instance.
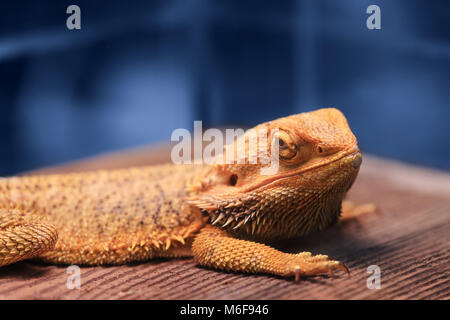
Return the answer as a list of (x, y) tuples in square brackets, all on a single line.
[(223, 215)]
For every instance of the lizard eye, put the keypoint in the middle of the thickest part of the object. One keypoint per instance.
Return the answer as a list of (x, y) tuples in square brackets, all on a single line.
[(287, 148)]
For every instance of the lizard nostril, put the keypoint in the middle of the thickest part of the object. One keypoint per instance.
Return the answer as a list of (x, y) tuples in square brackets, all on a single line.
[(233, 179)]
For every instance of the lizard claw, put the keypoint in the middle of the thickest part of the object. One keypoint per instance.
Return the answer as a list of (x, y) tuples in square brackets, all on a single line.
[(315, 265), (297, 272), (343, 267), (330, 270), (337, 265)]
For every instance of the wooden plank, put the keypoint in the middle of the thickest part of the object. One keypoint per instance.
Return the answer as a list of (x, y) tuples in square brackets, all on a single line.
[(408, 238)]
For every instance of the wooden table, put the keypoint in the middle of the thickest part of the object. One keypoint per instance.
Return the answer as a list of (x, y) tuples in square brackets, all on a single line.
[(408, 238)]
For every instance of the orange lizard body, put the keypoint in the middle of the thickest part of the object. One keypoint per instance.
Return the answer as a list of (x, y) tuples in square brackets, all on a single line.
[(221, 214)]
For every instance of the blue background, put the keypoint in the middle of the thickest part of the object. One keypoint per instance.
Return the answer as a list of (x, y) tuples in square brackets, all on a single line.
[(137, 70)]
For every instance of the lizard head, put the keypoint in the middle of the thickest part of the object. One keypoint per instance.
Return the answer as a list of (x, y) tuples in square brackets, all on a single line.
[(317, 161)]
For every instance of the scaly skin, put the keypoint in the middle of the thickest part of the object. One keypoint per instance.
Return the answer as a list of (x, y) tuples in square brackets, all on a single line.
[(221, 214)]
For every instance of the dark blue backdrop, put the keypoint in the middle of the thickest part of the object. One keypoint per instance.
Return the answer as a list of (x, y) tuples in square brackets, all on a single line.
[(139, 69)]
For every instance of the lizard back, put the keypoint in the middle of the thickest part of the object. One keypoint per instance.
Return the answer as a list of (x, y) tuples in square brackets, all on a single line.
[(100, 214)]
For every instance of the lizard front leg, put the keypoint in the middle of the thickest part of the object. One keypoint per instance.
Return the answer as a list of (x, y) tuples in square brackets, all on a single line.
[(22, 238), (215, 248)]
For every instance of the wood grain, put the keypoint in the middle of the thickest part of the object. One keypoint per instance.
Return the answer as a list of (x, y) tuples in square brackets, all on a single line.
[(408, 238)]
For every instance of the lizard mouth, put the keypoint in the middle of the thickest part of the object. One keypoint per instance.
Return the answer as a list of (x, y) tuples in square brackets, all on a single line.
[(351, 157)]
